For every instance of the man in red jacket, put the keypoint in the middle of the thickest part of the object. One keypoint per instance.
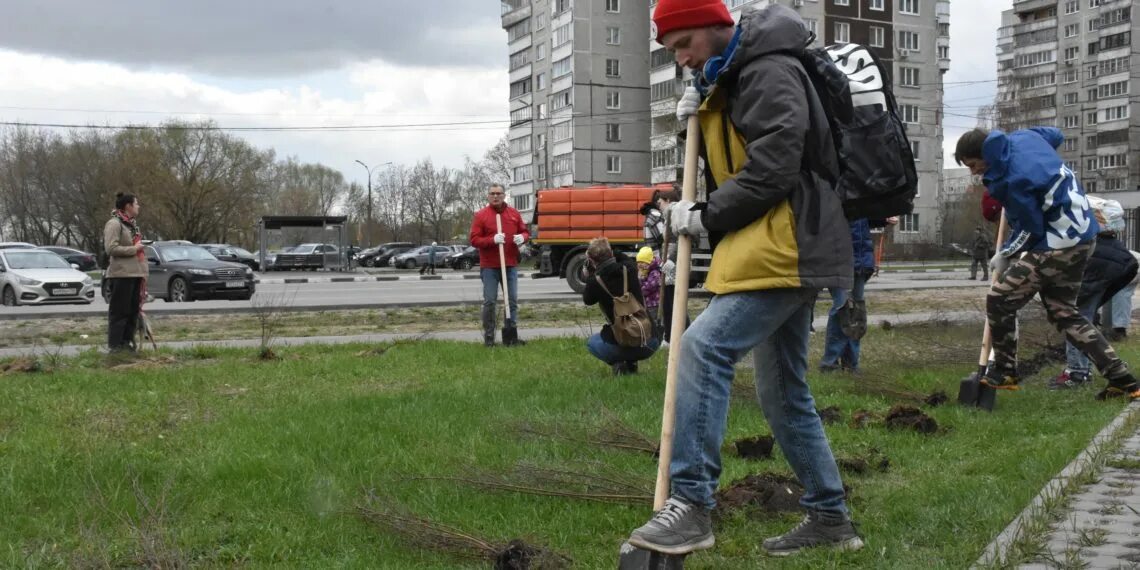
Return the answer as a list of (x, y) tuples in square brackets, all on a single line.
[(486, 237)]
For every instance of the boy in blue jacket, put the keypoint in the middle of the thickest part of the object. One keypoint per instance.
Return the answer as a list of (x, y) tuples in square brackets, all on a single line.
[(1052, 231)]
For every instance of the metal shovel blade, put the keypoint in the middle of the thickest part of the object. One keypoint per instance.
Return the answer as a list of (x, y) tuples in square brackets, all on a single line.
[(510, 336), (634, 558), (971, 392)]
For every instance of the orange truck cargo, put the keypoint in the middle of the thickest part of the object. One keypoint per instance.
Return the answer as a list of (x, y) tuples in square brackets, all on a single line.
[(566, 219)]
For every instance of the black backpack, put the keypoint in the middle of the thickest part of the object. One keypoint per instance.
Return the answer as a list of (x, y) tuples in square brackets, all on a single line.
[(877, 177)]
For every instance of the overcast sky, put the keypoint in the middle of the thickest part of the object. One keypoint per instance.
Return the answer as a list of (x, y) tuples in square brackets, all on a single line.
[(300, 63)]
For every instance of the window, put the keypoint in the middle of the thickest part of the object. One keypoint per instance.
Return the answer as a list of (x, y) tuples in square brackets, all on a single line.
[(1071, 165), (665, 158), (1036, 58), (1114, 65), (842, 2), (1090, 118), (560, 6), (613, 68), (915, 149), (540, 171), (520, 145), (613, 36), (1072, 98), (908, 76), (1039, 80), (1071, 53), (1090, 164), (561, 35), (878, 37), (1113, 161), (908, 7), (812, 25), (842, 32), (1093, 23), (561, 100), (1070, 145), (1071, 76), (521, 173), (909, 113), (1090, 142), (613, 6), (1094, 3), (661, 57), (561, 67), (908, 40), (540, 21), (560, 132), (518, 30), (613, 164), (1072, 30), (1115, 113), (562, 164), (663, 90), (908, 223), (540, 52), (1114, 184), (520, 88), (519, 59), (613, 100), (1115, 17), (877, 5), (943, 52), (522, 201), (1115, 41), (1091, 95), (540, 110), (613, 132), (943, 30), (1072, 6), (1112, 90), (1091, 71), (540, 141), (1090, 187), (540, 81)]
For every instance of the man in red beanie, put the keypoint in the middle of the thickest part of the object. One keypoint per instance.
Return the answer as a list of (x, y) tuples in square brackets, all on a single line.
[(771, 156)]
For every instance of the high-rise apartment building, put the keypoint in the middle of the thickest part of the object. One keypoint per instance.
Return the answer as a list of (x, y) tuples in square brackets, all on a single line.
[(579, 94), (1067, 63), (911, 37)]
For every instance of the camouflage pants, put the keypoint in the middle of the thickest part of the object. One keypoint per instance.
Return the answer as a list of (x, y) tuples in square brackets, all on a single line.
[(1056, 275)]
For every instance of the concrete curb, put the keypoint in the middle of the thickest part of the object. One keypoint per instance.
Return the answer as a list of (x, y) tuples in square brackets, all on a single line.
[(371, 278), (999, 548)]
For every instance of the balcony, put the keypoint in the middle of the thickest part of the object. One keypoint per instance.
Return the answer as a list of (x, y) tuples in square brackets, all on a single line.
[(515, 11), (1026, 6)]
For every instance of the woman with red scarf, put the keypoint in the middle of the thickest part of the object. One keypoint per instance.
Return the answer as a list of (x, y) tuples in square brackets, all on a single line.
[(127, 271)]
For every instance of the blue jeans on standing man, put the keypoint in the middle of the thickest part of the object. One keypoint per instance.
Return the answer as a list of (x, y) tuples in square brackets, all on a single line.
[(773, 323), (492, 282), (1122, 307), (839, 350)]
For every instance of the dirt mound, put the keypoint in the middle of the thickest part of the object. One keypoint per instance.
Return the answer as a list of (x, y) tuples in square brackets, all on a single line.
[(863, 418), (1050, 354), (937, 399), (768, 492), (908, 417), (830, 414), (145, 362), (757, 448), (519, 555), (863, 464), (15, 366)]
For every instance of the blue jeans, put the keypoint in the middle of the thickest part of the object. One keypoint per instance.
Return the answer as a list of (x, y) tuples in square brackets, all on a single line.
[(838, 349), (1075, 360), (774, 323), (614, 353), (1122, 307), (492, 279)]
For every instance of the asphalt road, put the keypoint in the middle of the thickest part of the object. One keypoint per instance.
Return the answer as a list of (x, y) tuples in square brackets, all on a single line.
[(329, 296)]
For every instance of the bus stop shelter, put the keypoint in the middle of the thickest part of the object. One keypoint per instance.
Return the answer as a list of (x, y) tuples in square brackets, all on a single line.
[(276, 232)]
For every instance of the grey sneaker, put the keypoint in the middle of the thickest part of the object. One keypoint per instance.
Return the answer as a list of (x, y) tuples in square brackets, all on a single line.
[(813, 531), (678, 528)]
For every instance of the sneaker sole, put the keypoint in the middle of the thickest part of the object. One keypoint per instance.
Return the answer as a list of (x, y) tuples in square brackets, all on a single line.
[(680, 549), (849, 545), (1010, 387)]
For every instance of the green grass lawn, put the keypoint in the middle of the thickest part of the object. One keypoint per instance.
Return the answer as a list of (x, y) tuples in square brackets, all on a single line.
[(213, 459)]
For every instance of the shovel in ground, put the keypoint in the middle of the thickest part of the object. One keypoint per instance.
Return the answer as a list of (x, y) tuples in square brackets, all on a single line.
[(971, 391), (632, 557), (510, 332)]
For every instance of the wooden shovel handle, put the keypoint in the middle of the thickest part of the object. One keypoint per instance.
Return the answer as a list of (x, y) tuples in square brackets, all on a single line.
[(987, 341), (680, 302), (503, 267)]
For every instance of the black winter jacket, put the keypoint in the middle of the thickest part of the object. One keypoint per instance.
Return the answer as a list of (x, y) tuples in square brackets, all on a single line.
[(610, 272), (1110, 268)]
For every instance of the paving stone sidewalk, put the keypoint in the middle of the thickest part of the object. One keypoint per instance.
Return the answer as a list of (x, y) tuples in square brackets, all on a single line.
[(1102, 529)]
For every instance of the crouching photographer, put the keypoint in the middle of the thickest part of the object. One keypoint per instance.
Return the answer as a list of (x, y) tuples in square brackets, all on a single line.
[(630, 335)]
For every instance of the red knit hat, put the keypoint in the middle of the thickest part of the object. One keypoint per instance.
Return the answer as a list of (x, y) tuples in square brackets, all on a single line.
[(673, 15)]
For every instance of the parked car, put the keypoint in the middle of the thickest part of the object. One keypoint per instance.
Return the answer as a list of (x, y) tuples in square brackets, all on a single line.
[(419, 256), (85, 261), (16, 245), (180, 273), (384, 259), (463, 260), (369, 257), (307, 256), (30, 276), (227, 252)]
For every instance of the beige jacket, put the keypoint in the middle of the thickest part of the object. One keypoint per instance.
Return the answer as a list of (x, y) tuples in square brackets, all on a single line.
[(117, 242)]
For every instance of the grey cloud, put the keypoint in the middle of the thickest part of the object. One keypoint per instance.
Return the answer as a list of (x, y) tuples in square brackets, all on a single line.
[(258, 37)]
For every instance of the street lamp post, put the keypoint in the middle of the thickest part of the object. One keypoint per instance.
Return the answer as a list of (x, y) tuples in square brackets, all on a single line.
[(368, 221)]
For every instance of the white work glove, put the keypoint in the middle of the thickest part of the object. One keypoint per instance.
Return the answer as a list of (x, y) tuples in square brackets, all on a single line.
[(684, 221), (689, 103), (500, 238), (998, 264), (669, 269), (519, 239)]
